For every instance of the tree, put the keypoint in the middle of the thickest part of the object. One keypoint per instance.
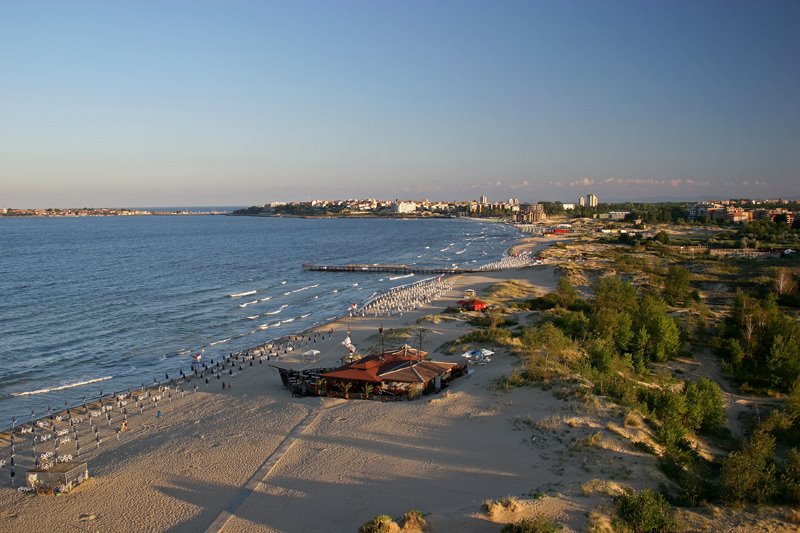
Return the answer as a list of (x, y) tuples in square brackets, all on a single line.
[(566, 292), (705, 405), (665, 339), (662, 237), (641, 341), (677, 287), (611, 292), (783, 362), (793, 401), (615, 326), (749, 474), (784, 281)]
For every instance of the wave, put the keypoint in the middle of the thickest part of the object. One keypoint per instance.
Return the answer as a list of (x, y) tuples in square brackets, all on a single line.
[(444, 249), (461, 252), (305, 315), (401, 277), (253, 317), (265, 299), (219, 342), (287, 293), (305, 288), (240, 294), (275, 312), (248, 303), (61, 387), (287, 320)]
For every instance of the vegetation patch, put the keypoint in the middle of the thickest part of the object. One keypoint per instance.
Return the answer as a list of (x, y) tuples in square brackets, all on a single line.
[(534, 524), (507, 504), (645, 511)]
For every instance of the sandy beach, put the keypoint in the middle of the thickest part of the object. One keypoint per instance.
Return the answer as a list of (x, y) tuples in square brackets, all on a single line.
[(252, 458)]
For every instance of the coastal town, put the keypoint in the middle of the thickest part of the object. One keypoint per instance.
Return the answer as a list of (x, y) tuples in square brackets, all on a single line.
[(730, 211)]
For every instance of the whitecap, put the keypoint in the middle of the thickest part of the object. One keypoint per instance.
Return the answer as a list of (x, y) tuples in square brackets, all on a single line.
[(240, 294), (62, 387)]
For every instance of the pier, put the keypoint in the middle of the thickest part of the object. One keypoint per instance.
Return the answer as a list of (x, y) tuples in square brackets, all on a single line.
[(394, 269)]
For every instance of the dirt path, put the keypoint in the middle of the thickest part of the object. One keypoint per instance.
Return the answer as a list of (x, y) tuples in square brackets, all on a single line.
[(736, 404)]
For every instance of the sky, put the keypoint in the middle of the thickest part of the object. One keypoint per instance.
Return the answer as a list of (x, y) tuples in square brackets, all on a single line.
[(156, 103)]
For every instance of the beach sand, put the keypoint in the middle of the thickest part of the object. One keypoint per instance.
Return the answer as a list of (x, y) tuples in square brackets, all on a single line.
[(252, 458)]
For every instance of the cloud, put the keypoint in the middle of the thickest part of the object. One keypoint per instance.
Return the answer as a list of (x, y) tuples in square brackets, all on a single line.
[(610, 183), (758, 184), (584, 182)]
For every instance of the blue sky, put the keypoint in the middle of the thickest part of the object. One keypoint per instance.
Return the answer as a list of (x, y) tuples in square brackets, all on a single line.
[(244, 102)]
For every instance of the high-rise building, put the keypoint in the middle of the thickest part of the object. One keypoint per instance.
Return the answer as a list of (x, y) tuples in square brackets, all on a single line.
[(582, 201), (529, 213), (591, 200), (484, 200)]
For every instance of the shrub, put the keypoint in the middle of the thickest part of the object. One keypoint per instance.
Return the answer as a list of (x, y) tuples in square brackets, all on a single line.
[(601, 354), (513, 380), (705, 405), (494, 506), (415, 519), (547, 337), (380, 524), (790, 480), (536, 524), (749, 474), (646, 511)]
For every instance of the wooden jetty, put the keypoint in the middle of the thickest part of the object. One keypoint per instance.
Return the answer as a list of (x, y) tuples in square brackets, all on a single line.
[(394, 269)]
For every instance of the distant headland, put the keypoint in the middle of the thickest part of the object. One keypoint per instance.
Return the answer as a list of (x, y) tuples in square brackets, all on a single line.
[(109, 212)]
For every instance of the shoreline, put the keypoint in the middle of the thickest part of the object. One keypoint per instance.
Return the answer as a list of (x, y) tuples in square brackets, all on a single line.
[(156, 454), (27, 419), (525, 245)]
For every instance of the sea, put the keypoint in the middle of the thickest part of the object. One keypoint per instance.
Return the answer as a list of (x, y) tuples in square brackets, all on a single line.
[(100, 304)]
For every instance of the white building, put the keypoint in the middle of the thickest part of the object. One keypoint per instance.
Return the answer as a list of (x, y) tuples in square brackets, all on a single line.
[(568, 207), (404, 207)]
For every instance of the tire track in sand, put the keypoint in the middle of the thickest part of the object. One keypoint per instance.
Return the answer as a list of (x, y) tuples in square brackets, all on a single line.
[(263, 472)]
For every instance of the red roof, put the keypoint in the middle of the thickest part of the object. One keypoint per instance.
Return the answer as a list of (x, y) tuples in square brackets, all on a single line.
[(401, 364)]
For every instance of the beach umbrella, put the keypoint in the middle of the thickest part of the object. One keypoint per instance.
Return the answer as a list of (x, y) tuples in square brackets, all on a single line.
[(486, 353), (312, 353)]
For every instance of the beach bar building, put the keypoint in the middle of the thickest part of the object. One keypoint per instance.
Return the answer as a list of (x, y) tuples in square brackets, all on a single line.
[(59, 478), (393, 373)]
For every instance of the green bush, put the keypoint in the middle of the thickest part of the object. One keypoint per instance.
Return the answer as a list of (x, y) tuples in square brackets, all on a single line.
[(705, 405), (790, 481), (749, 475), (547, 337), (646, 511), (537, 524), (380, 524)]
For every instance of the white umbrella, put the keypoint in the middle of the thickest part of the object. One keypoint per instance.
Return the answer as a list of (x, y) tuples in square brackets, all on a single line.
[(486, 353), (312, 353)]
